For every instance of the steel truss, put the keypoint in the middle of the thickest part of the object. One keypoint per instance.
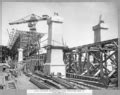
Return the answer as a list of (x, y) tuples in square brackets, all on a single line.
[(99, 60)]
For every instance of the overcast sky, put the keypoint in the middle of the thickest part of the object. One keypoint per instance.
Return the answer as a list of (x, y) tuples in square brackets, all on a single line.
[(78, 19)]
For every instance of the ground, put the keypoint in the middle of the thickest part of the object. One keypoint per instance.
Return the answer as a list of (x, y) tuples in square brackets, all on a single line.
[(23, 82)]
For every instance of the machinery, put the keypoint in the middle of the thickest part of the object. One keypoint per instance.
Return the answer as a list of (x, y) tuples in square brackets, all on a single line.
[(33, 19), (29, 40)]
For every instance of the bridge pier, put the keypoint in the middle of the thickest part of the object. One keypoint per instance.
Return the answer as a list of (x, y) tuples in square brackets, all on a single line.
[(54, 64), (20, 54)]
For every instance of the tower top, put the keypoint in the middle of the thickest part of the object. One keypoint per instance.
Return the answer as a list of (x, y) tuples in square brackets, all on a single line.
[(100, 19)]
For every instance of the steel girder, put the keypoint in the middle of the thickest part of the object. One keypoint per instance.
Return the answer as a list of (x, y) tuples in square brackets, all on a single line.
[(97, 60)]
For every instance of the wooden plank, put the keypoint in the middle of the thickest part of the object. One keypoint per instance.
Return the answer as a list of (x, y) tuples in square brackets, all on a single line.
[(111, 73), (97, 73), (84, 72)]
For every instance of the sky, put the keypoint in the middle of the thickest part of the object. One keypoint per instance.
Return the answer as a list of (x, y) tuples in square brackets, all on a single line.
[(79, 18)]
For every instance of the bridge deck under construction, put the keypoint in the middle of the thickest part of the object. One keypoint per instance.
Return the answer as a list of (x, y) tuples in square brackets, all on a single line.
[(90, 66)]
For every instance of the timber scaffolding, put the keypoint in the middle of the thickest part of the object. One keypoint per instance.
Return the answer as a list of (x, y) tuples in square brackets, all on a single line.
[(29, 41)]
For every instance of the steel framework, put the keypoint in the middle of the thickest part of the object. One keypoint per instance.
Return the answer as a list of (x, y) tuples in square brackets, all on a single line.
[(98, 60)]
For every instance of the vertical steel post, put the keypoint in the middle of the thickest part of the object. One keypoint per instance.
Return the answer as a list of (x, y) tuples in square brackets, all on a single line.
[(80, 63), (105, 61), (88, 63), (101, 65)]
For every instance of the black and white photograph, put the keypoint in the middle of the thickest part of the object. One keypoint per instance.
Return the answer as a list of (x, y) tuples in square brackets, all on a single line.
[(59, 46)]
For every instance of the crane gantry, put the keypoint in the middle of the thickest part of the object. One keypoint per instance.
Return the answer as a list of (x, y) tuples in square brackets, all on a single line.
[(33, 19)]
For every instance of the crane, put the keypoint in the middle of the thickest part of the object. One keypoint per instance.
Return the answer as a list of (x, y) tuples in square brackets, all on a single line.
[(31, 20)]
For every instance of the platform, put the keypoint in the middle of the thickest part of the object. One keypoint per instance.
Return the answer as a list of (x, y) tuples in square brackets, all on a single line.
[(23, 82)]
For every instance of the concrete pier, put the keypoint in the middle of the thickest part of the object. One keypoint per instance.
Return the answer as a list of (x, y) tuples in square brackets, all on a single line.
[(54, 64), (20, 54)]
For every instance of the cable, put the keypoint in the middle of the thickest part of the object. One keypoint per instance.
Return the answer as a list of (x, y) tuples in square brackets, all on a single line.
[(44, 40), (57, 42)]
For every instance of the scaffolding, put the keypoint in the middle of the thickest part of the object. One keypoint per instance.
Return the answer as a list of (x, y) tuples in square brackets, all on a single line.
[(29, 41)]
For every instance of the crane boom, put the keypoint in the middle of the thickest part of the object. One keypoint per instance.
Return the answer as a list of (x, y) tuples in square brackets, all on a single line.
[(31, 20), (23, 20), (26, 21)]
